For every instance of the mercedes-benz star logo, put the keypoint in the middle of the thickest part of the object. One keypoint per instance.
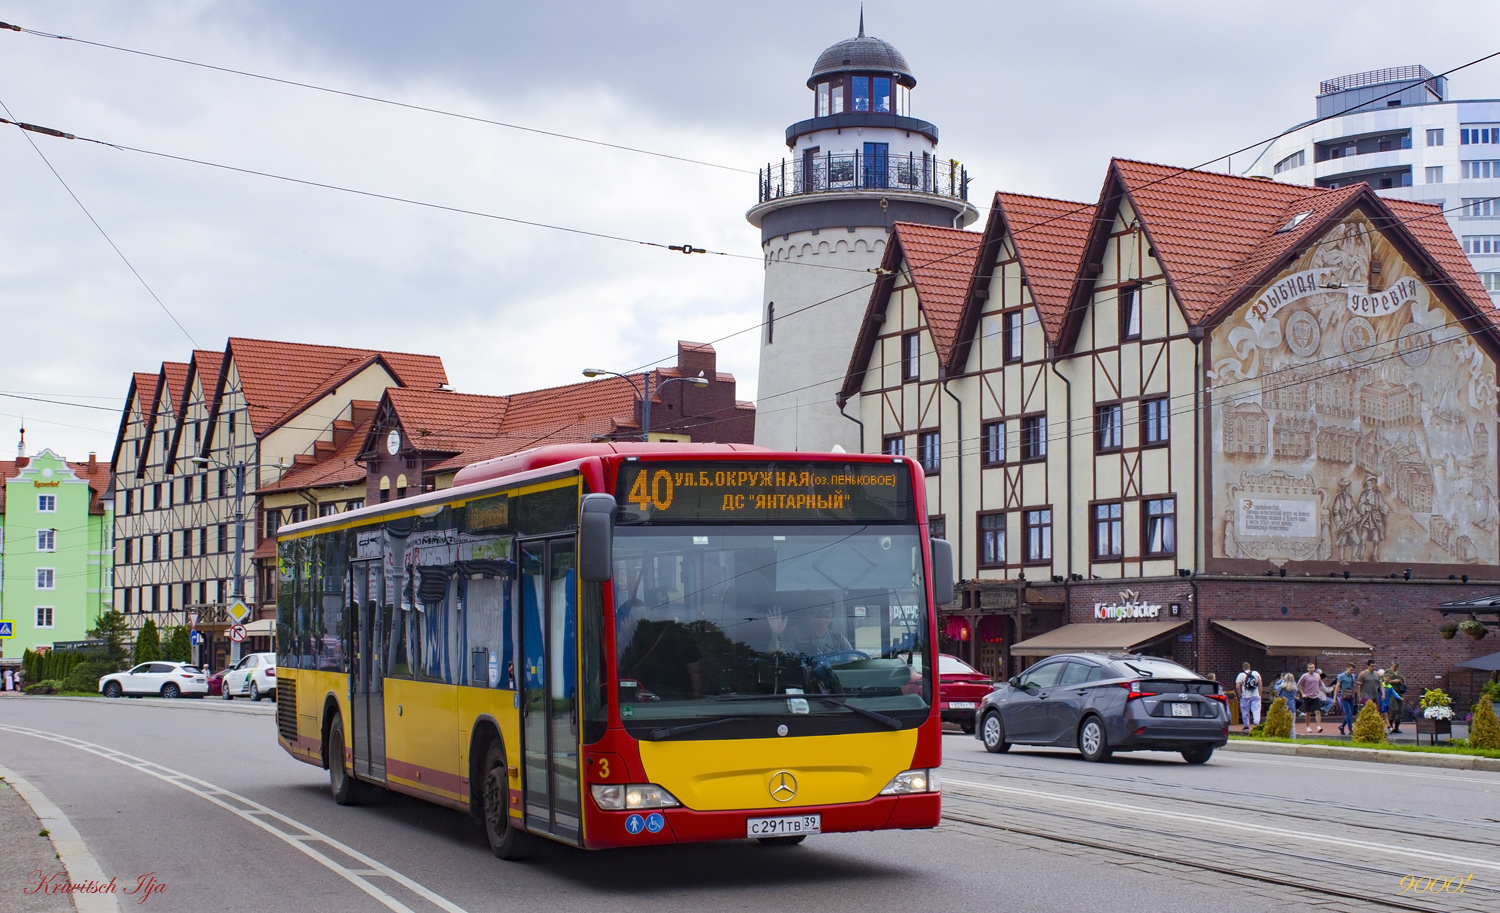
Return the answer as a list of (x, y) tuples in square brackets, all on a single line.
[(783, 786)]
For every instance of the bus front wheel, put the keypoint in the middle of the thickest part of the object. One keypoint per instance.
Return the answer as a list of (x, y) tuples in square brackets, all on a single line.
[(506, 838), (340, 781)]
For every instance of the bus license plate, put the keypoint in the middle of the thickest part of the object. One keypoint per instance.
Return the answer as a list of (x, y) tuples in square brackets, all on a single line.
[(1182, 709), (788, 826)]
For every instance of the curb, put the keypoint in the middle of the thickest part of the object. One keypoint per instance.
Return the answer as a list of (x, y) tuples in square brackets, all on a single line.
[(71, 850), (1375, 755)]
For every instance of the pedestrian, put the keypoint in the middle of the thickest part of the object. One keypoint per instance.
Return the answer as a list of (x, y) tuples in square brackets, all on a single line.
[(1347, 688), (1395, 686), (1247, 683), (1286, 689), (1310, 686), (1369, 685), (10, 680), (1330, 694)]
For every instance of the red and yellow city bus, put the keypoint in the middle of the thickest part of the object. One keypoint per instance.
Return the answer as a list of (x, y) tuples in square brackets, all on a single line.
[(616, 645)]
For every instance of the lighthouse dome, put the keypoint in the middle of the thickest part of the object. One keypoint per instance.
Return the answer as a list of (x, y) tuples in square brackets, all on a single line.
[(862, 54)]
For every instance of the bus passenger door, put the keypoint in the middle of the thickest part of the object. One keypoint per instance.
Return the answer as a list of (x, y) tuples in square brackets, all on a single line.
[(367, 672), (549, 688)]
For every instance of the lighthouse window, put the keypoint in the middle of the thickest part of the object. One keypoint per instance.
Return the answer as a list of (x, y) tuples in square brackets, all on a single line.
[(836, 95), (822, 99), (883, 94), (861, 93), (903, 101)]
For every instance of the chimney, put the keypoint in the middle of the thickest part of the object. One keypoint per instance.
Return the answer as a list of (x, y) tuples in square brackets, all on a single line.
[(93, 462)]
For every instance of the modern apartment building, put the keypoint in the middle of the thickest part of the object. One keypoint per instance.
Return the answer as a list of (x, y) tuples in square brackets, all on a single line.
[(1397, 130)]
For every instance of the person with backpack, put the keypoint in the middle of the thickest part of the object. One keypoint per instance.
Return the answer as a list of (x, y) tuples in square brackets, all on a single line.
[(1344, 688), (1248, 685)]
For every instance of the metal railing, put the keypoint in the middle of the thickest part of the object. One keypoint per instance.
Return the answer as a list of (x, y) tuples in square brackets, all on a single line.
[(1373, 78), (844, 171)]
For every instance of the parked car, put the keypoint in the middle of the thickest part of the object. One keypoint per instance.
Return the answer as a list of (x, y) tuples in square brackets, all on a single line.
[(1103, 703), (166, 679), (216, 683), (960, 689), (254, 676)]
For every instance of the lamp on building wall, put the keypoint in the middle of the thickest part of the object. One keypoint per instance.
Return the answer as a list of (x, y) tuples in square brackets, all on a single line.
[(650, 391)]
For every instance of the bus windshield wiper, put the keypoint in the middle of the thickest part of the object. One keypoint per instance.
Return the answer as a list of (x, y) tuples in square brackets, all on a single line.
[(840, 701), (658, 734)]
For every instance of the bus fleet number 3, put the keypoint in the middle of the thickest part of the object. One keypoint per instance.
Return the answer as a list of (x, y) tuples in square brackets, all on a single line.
[(657, 494)]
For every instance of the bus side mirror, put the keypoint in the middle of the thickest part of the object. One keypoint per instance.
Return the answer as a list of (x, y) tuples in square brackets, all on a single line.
[(942, 571), (596, 538)]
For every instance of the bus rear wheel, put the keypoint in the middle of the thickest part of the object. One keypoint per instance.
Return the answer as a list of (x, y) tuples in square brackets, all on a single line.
[(343, 785), (506, 838)]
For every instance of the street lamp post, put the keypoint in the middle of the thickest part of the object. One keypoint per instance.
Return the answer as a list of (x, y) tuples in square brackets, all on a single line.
[(239, 536), (650, 392)]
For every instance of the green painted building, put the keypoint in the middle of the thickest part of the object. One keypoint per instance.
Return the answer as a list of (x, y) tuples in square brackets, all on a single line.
[(56, 549)]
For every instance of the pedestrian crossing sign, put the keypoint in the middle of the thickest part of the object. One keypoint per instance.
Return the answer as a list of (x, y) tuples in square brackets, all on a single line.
[(7, 629)]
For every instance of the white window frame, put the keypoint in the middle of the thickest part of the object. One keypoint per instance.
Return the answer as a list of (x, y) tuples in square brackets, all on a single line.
[(51, 578), (50, 616), (46, 540), (46, 504), (1434, 174)]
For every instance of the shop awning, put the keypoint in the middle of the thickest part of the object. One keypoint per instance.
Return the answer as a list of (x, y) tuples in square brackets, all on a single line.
[(1490, 663), (1293, 638), (266, 627), (1103, 637)]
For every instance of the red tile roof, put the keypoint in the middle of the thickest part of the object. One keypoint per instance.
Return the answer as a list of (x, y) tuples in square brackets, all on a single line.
[(176, 374), (941, 261), (341, 467), (145, 390), (206, 367), (1429, 225), (281, 378), (438, 420), (1049, 236)]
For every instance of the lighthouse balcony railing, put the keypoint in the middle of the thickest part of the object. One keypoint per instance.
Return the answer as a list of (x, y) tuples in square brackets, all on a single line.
[(832, 172)]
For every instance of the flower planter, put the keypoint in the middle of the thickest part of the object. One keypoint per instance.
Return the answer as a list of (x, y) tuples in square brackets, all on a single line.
[(1447, 633), (1433, 728)]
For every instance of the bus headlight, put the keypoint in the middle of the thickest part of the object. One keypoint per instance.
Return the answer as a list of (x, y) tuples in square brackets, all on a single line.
[(914, 781), (612, 798)]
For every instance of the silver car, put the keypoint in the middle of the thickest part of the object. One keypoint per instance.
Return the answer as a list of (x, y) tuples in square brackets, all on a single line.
[(1103, 703)]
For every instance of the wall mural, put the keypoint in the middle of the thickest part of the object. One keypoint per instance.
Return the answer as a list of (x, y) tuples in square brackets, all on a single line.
[(1353, 417)]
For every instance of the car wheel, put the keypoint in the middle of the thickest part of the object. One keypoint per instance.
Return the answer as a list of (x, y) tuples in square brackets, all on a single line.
[(782, 841), (967, 726), (1093, 744), (340, 782), (170, 691), (224, 690), (112, 689), (993, 734), (506, 840), (254, 692), (1198, 755)]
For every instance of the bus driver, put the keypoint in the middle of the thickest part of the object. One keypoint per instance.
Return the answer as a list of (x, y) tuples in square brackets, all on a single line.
[(817, 637)]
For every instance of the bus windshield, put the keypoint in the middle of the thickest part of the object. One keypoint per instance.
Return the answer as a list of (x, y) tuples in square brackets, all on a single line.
[(821, 626)]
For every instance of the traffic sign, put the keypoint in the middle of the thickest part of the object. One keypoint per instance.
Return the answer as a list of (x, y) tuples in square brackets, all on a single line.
[(197, 638), (237, 634), (7, 629), (193, 619), (239, 611)]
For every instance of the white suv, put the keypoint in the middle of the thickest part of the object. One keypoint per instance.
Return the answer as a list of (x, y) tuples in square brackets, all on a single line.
[(163, 678), (253, 677)]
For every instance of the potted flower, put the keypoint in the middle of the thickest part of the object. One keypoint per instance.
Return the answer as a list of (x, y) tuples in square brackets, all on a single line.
[(1474, 628), (1434, 714), (1447, 629)]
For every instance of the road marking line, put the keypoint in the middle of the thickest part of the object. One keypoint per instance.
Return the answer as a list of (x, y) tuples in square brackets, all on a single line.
[(1300, 836), (71, 850), (301, 841), (1372, 767)]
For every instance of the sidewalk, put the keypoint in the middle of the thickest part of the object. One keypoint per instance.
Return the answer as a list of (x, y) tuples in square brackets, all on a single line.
[(26, 854)]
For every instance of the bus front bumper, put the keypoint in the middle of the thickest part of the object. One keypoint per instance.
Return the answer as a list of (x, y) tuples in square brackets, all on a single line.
[(681, 825)]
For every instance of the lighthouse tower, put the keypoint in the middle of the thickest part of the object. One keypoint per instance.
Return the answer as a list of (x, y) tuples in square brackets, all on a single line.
[(858, 165)]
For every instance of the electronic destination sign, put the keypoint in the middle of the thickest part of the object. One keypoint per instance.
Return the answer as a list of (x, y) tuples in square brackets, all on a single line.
[(752, 492)]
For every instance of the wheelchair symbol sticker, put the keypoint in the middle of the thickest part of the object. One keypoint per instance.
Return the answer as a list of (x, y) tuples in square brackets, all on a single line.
[(655, 822), (635, 823)]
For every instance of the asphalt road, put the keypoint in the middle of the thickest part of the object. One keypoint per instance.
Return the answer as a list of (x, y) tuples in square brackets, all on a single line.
[(198, 794)]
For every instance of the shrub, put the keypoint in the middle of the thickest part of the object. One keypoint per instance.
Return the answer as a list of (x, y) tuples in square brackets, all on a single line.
[(1278, 723), (110, 629), (1434, 697), (179, 647), (46, 687), (85, 676), (1369, 726), (1484, 730), (147, 643)]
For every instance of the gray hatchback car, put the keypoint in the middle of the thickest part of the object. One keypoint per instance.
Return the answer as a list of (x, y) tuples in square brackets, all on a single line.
[(1102, 703)]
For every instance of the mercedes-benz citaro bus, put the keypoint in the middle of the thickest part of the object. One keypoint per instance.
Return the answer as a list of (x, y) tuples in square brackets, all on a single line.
[(612, 645)]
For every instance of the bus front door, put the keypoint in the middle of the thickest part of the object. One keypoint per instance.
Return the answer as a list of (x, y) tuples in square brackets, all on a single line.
[(367, 671), (548, 652)]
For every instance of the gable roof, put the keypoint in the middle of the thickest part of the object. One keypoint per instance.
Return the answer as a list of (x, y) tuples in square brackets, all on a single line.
[(279, 379), (341, 467), (940, 263), (1219, 238), (142, 392), (204, 368)]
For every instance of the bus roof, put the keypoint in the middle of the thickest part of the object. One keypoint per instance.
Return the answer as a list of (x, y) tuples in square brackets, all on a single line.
[(553, 454)]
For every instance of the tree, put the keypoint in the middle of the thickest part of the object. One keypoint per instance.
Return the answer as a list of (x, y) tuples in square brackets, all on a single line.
[(147, 643), (1279, 722), (1484, 728), (1369, 726), (111, 628), (180, 645)]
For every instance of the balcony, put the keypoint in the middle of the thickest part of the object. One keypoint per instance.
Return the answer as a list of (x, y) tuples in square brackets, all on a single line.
[(855, 171)]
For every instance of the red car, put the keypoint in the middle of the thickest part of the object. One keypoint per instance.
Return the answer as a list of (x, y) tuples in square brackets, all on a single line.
[(960, 689), (216, 683)]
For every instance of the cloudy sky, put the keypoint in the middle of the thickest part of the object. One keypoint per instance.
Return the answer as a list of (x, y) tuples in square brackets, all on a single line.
[(1034, 98)]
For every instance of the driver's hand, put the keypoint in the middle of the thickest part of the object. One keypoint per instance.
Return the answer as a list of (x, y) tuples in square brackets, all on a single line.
[(777, 622)]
